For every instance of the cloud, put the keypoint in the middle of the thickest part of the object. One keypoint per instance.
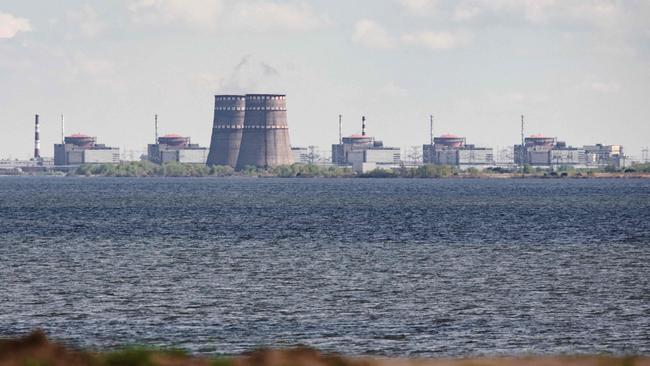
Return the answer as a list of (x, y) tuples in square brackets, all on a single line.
[(466, 11), (419, 7), (88, 66), (10, 25), (601, 87), (556, 13), (202, 14), (246, 15), (371, 34), (87, 21), (272, 16), (393, 90), (437, 40)]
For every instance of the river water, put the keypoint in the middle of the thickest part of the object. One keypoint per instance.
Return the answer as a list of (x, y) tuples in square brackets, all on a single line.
[(383, 267)]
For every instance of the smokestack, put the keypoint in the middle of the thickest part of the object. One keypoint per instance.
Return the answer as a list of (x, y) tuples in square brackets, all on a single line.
[(363, 125), (340, 127), (523, 152), (37, 139), (62, 131), (156, 127)]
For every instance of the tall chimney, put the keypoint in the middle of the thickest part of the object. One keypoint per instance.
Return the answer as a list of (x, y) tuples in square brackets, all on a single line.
[(363, 125), (340, 127), (62, 130), (156, 128), (37, 139)]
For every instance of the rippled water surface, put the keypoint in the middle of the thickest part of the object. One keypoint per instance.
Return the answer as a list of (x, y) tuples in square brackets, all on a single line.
[(388, 267)]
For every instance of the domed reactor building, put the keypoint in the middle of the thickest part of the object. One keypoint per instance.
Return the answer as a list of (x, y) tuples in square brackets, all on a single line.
[(265, 139), (80, 149), (227, 129)]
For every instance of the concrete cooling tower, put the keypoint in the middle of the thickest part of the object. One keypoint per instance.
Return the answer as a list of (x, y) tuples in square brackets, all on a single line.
[(265, 141), (227, 128)]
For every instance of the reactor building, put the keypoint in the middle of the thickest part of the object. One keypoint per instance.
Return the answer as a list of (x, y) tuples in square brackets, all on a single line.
[(250, 130), (176, 148), (80, 149), (453, 150), (364, 153), (548, 152)]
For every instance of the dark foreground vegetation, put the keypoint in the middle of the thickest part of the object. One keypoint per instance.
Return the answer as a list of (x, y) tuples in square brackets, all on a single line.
[(147, 169), (36, 350)]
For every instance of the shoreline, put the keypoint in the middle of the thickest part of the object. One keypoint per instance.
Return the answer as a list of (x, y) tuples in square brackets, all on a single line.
[(461, 176), (36, 349), (148, 169)]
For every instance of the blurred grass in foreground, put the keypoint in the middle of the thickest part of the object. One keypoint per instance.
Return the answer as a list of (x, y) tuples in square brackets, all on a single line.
[(36, 350)]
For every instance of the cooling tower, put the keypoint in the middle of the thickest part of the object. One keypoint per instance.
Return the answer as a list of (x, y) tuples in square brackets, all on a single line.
[(265, 141), (227, 129)]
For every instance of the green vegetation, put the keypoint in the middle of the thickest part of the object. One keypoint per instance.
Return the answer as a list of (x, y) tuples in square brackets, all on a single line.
[(434, 171), (36, 350), (641, 168), (222, 361), (310, 170), (34, 362), (147, 169), (135, 356), (146, 356)]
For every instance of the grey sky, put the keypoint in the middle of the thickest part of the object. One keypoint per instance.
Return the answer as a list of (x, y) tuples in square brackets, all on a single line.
[(579, 70)]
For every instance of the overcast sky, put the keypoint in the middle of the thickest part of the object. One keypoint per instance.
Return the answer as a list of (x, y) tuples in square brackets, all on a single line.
[(578, 70)]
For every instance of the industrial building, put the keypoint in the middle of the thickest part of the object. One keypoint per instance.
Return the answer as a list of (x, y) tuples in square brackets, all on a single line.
[(250, 130), (536, 151), (364, 152), (83, 149), (301, 155), (600, 156), (176, 148), (541, 151), (453, 150)]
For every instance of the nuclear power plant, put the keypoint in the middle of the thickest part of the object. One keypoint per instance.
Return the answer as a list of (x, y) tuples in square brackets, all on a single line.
[(250, 130)]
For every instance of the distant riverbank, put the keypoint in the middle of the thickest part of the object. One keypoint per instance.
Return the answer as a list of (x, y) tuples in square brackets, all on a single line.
[(147, 169)]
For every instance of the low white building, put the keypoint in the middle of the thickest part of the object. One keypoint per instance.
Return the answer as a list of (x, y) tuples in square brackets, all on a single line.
[(300, 155), (100, 156), (367, 160), (176, 148)]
